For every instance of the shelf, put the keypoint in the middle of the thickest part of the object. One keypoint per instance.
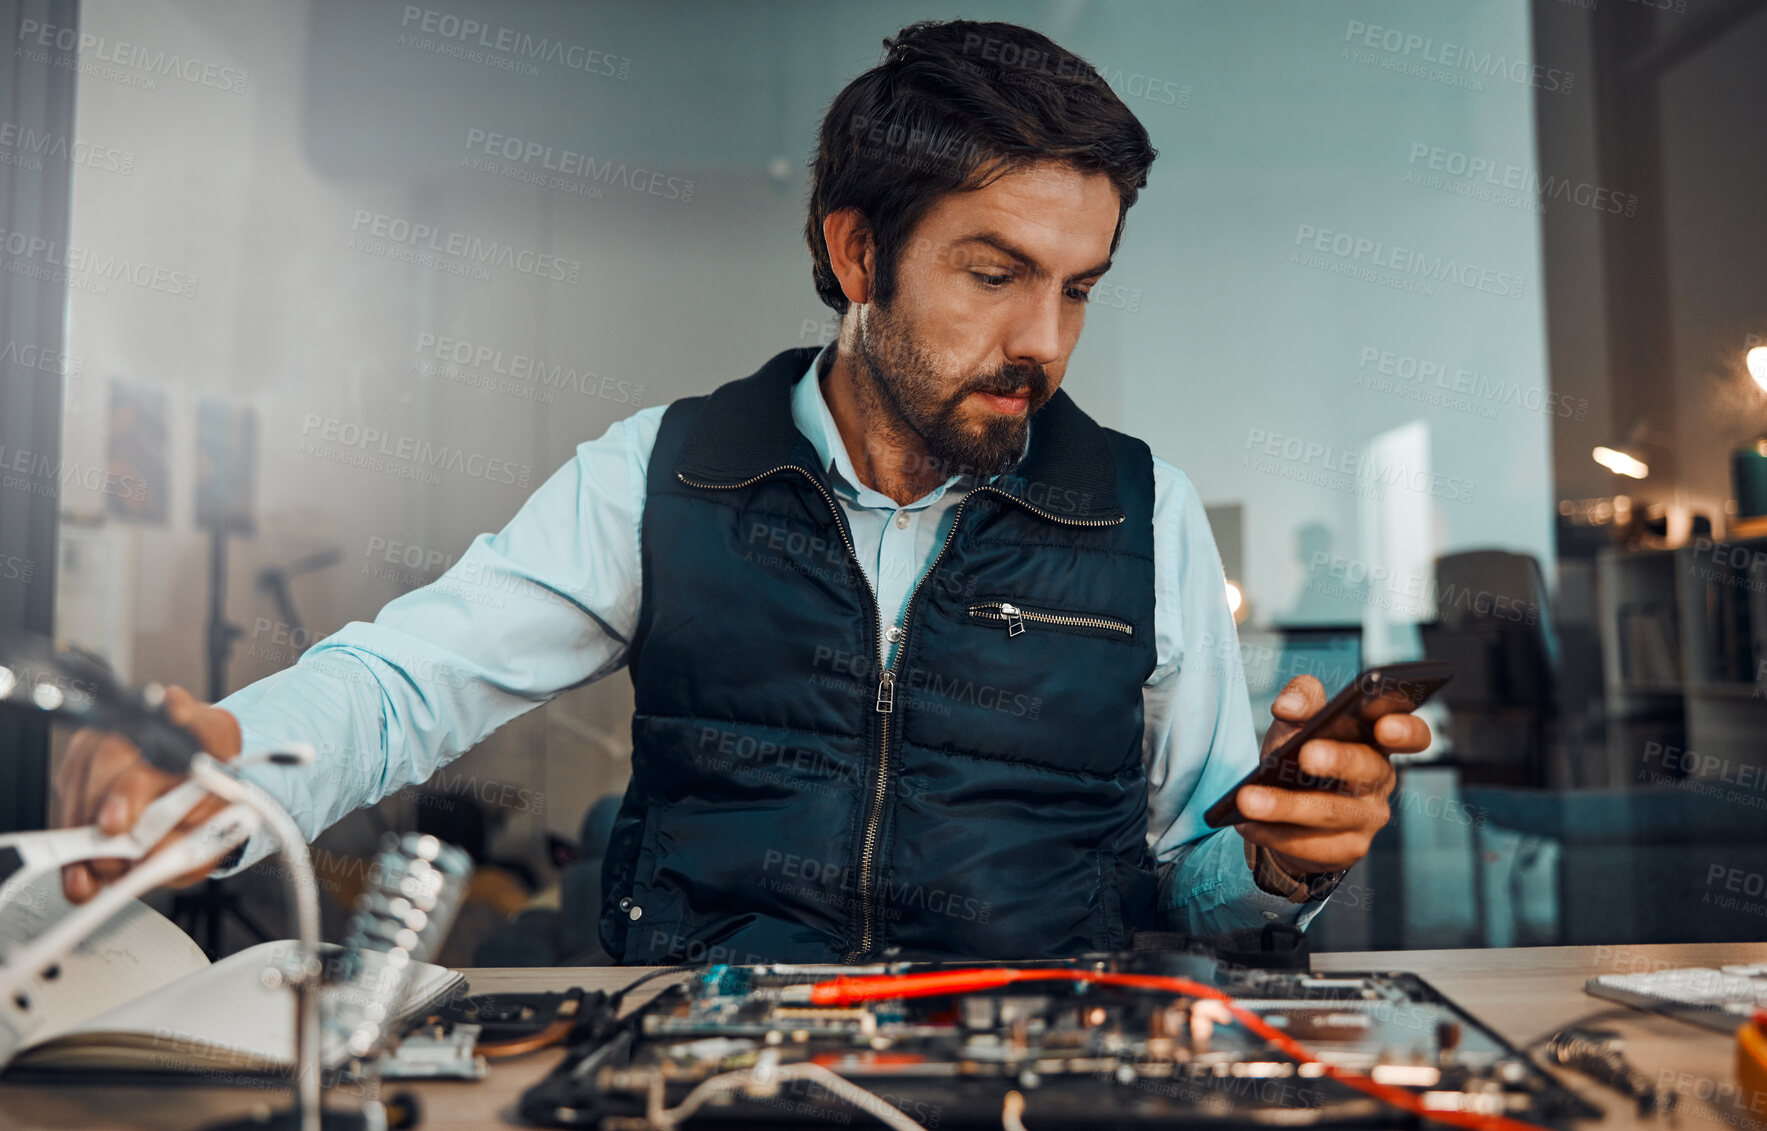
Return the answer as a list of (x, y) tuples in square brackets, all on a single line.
[(1726, 689)]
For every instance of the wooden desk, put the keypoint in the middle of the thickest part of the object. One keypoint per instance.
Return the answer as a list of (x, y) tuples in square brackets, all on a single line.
[(1522, 993)]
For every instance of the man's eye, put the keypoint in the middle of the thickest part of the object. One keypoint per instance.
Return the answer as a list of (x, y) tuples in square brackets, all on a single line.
[(1079, 295), (992, 281)]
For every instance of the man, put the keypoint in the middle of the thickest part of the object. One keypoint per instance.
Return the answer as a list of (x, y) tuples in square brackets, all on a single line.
[(926, 663)]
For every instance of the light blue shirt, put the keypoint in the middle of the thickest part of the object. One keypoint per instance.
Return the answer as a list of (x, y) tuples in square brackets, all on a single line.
[(551, 601)]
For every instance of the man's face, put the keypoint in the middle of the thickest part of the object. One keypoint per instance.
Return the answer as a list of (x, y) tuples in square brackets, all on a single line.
[(989, 302)]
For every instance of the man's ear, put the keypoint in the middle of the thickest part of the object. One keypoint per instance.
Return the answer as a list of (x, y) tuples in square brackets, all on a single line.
[(851, 253)]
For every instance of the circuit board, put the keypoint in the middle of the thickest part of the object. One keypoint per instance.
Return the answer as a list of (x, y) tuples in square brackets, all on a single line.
[(1107, 1042)]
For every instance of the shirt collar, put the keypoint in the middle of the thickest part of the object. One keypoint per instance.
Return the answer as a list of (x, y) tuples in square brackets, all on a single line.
[(809, 411)]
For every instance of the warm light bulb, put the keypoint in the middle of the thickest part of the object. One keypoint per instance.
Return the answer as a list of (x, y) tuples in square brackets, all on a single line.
[(1620, 463), (1234, 597), (1757, 359)]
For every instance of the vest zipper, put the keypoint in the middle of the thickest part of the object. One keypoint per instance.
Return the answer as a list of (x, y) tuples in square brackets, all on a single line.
[(1015, 617), (886, 684), (886, 699)]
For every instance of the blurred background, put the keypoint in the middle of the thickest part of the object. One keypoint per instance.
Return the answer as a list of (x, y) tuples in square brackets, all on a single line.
[(1447, 310)]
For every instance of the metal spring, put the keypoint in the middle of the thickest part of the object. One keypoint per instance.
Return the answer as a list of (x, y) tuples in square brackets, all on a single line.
[(1596, 1053)]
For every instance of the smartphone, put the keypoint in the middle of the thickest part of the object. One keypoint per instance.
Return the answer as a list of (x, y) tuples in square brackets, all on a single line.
[(1349, 717)]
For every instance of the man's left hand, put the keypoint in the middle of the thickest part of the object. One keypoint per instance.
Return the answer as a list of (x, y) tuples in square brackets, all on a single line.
[(1320, 830)]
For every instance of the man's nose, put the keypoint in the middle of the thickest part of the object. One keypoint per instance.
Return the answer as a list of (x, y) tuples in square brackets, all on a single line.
[(1035, 337)]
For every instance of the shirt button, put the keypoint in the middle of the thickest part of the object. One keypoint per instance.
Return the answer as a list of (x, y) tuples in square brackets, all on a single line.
[(901, 520), (894, 634)]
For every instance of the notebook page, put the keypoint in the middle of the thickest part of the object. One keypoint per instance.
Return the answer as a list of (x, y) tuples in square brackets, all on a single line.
[(222, 1016), (136, 951)]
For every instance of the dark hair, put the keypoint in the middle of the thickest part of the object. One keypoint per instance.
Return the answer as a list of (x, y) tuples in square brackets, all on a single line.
[(953, 106)]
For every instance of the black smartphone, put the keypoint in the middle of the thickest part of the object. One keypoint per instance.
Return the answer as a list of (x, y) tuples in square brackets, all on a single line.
[(1349, 717)]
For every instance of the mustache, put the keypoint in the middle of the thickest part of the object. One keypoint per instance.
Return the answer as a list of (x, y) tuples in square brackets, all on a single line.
[(1008, 382)]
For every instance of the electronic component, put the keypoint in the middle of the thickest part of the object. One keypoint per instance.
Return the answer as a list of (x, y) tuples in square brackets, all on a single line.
[(517, 1024), (435, 1052), (1127, 1040)]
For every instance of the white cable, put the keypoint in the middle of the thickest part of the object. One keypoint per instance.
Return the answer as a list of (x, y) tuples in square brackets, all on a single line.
[(837, 1085), (297, 865), (46, 850), (291, 841)]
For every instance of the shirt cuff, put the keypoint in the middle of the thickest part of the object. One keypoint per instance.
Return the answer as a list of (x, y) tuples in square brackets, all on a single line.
[(1213, 891), (255, 848)]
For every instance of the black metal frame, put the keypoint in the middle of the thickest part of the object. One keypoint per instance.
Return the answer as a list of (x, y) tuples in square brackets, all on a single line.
[(37, 96)]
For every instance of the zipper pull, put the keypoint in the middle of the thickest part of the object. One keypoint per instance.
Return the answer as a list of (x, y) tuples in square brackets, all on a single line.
[(886, 693), (1015, 624)]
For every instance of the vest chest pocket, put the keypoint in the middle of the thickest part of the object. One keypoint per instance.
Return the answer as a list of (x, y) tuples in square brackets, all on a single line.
[(1018, 619)]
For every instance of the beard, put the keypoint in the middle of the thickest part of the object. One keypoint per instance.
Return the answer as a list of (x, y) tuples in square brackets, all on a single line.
[(903, 388)]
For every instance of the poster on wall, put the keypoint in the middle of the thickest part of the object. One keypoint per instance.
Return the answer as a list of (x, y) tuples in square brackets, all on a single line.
[(136, 453)]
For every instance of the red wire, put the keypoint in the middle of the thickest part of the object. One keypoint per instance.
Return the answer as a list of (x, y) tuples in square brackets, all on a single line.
[(846, 991)]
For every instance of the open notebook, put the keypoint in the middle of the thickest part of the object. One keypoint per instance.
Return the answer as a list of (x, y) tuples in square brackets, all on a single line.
[(139, 994)]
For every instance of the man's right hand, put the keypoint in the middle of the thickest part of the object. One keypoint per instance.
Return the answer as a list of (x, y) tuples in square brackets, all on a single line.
[(104, 780)]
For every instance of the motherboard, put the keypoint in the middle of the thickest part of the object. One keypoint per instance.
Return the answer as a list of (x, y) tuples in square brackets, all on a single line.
[(1119, 1041)]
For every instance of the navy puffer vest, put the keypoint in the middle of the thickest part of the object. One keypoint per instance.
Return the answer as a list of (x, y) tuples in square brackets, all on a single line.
[(791, 800)]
